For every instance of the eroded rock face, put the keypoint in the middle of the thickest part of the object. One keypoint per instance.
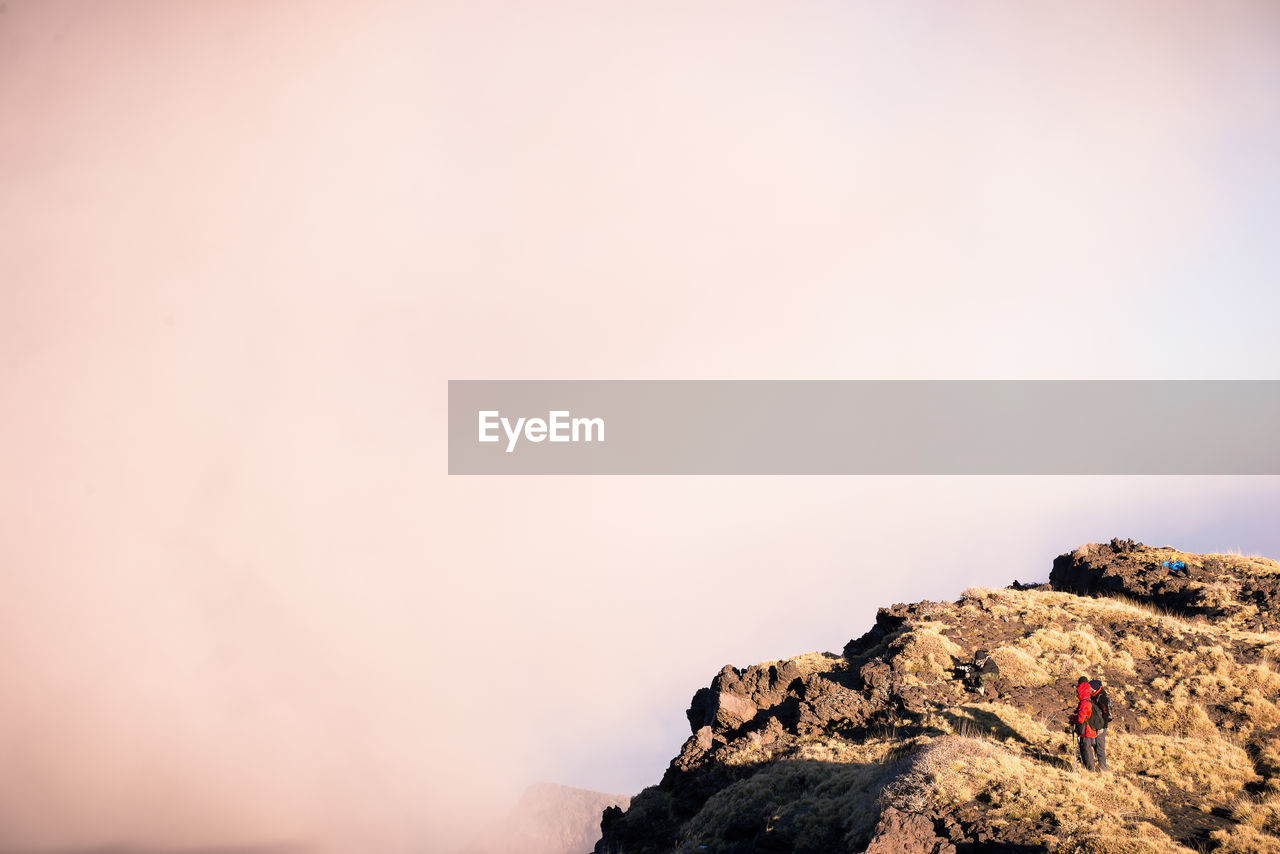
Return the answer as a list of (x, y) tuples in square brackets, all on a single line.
[(826, 704), (736, 697), (732, 710), (1094, 570), (851, 694)]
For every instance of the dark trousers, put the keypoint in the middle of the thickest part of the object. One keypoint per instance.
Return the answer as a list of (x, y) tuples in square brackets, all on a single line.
[(1086, 752), (1100, 749)]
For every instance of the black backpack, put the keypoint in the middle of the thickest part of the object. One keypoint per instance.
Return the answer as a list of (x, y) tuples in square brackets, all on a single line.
[(1103, 702), (1101, 715), (1097, 719)]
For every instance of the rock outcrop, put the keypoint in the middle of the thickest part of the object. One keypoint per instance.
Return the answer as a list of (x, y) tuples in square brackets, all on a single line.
[(883, 749), (1241, 590), (901, 832)]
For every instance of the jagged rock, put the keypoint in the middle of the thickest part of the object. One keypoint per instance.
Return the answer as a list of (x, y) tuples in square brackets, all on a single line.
[(764, 685), (719, 709), (772, 731), (699, 711), (731, 711), (735, 697), (728, 679), (907, 833), (952, 829), (696, 747), (611, 821), (826, 704), (887, 622), (914, 698), (877, 675)]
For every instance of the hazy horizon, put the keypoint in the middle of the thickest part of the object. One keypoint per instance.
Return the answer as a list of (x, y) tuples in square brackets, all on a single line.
[(243, 247)]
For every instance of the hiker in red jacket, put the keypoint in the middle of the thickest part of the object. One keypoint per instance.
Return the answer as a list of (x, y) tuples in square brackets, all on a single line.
[(1085, 734)]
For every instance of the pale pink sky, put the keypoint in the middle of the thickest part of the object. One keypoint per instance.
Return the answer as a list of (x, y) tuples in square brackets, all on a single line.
[(243, 247)]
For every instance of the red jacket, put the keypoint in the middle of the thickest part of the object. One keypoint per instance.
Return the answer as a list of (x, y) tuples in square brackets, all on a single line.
[(1084, 710)]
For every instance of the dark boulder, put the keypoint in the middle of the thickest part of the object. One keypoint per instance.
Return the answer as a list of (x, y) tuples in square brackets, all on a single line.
[(907, 833)]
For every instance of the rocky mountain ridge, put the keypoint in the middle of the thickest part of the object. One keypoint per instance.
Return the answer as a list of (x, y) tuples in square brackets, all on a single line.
[(883, 749)]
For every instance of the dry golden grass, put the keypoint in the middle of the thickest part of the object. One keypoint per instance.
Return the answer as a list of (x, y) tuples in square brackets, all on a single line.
[(813, 662), (1209, 675), (1261, 712), (953, 771), (1019, 669), (1144, 839), (1180, 719), (1248, 564), (1061, 653), (1242, 839), (1213, 768), (995, 722), (1261, 813), (1040, 608), (1267, 761), (826, 790), (1005, 768), (925, 653), (1018, 768)]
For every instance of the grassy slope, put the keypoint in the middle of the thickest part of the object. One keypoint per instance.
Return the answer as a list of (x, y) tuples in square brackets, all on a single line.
[(1195, 747)]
